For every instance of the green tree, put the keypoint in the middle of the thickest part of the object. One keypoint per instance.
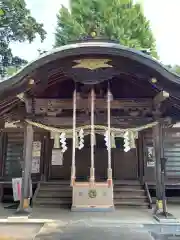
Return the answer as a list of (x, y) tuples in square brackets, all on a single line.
[(16, 64), (16, 25), (119, 20), (175, 68)]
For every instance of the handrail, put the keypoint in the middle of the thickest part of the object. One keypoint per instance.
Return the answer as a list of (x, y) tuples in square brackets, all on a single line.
[(148, 194)]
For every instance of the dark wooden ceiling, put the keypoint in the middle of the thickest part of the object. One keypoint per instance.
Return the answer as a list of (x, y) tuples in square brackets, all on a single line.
[(54, 76)]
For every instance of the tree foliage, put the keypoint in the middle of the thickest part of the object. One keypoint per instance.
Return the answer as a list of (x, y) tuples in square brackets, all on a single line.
[(16, 25), (15, 65), (119, 20), (175, 68)]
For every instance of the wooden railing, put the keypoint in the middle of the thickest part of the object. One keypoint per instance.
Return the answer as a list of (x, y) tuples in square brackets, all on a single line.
[(148, 195)]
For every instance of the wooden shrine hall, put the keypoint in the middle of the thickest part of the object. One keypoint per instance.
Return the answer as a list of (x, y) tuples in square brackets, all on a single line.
[(89, 124)]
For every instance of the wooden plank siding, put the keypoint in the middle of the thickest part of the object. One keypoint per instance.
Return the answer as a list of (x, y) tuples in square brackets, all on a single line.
[(12, 156), (171, 152)]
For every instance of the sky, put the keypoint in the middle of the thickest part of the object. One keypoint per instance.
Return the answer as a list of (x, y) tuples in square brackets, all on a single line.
[(164, 16)]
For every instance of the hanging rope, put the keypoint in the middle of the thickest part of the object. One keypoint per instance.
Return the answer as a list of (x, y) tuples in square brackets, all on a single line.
[(73, 167), (109, 170), (92, 175), (87, 127)]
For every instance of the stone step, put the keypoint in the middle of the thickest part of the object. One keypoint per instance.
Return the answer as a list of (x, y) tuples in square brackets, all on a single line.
[(127, 189), (55, 194), (56, 183), (60, 206), (55, 189), (128, 186), (120, 196), (53, 201), (59, 194), (126, 182), (130, 203), (175, 200), (129, 193)]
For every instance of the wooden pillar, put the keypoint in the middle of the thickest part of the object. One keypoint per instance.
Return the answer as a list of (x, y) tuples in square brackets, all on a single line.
[(109, 172), (92, 169), (45, 156), (73, 166), (161, 207), (159, 153), (140, 149), (24, 206)]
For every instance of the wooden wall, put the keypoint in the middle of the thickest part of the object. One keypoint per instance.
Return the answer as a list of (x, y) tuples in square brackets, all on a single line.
[(11, 159), (125, 165), (171, 152)]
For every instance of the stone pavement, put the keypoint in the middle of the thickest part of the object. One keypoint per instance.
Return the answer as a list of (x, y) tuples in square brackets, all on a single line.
[(89, 230), (86, 230), (19, 231), (120, 215), (53, 223), (136, 215)]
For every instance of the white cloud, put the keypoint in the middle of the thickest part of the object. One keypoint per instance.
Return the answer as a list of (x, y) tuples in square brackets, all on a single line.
[(163, 14)]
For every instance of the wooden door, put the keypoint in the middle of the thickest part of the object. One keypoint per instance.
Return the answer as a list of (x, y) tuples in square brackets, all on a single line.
[(83, 162), (101, 163), (62, 172), (125, 165)]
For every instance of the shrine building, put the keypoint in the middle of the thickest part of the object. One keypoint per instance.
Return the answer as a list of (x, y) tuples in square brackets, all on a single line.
[(88, 124)]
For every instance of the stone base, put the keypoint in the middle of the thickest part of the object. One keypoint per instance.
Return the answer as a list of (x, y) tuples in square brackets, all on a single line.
[(23, 211), (165, 217), (92, 209), (96, 197)]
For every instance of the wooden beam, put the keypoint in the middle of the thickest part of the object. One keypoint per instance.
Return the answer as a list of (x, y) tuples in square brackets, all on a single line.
[(160, 97), (50, 105), (115, 121)]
